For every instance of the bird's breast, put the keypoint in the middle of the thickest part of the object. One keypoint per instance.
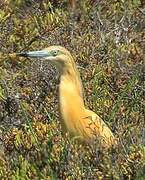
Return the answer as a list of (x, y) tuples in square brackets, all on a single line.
[(71, 106)]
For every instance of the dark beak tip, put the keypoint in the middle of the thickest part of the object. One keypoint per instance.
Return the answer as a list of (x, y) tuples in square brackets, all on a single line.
[(22, 54)]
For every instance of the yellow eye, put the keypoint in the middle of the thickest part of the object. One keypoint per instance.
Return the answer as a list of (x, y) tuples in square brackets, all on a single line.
[(54, 53)]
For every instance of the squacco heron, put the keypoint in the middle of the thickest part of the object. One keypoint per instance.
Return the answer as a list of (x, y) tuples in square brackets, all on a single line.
[(79, 122)]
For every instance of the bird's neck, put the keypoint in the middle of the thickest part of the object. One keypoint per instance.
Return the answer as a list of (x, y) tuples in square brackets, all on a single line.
[(70, 95), (71, 76)]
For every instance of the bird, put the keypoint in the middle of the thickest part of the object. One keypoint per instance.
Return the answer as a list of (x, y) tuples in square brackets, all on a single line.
[(80, 123)]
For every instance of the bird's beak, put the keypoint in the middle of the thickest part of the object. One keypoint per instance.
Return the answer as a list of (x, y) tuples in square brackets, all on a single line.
[(34, 54)]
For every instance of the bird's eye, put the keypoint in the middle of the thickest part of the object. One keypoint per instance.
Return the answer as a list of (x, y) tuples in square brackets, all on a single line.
[(54, 53)]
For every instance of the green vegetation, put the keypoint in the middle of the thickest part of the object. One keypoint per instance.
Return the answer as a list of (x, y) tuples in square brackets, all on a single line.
[(107, 39)]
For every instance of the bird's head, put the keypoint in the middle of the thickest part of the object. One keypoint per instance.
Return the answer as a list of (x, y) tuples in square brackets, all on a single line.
[(57, 55)]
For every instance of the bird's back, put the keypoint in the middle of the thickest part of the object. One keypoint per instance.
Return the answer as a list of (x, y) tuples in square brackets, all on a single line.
[(95, 128)]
